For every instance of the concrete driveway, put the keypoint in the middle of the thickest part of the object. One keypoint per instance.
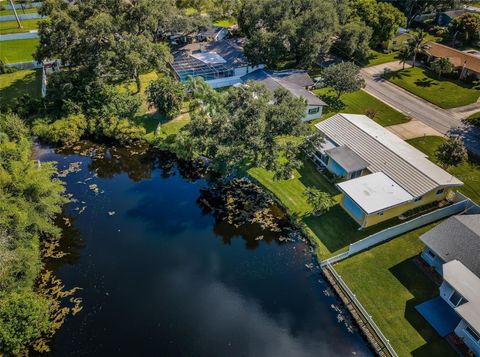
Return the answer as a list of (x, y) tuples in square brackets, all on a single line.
[(447, 122)]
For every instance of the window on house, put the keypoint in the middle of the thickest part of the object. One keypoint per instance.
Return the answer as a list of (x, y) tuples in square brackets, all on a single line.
[(440, 191), (418, 199), (473, 334), (313, 110), (456, 299), (356, 174), (430, 253)]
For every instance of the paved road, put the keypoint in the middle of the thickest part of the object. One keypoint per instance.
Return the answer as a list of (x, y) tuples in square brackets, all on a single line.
[(445, 121)]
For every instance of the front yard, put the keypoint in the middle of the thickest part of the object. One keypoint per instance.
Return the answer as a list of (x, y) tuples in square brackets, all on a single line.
[(389, 285), (468, 172), (360, 102), (446, 93)]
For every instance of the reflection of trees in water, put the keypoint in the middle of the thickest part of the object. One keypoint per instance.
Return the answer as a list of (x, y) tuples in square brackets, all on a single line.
[(243, 210), (137, 161), (70, 243)]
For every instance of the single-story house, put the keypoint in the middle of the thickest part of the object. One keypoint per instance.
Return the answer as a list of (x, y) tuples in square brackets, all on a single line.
[(297, 82), (384, 176), (466, 63), (444, 18), (456, 238), (219, 63), (216, 33)]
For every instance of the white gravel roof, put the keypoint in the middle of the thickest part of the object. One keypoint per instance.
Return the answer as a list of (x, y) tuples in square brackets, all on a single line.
[(468, 285), (387, 153), (375, 192)]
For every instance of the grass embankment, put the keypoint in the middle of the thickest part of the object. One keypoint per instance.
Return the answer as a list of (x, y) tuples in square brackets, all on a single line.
[(12, 27), (18, 50), (225, 22), (13, 85), (389, 285), (468, 172), (360, 102), (446, 93)]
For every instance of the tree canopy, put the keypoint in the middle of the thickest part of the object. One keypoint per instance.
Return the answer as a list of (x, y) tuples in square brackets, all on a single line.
[(291, 30), (242, 127), (343, 78)]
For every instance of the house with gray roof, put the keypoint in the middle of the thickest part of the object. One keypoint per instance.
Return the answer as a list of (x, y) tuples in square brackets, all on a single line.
[(219, 63), (216, 33), (456, 238), (297, 82), (452, 248), (382, 175)]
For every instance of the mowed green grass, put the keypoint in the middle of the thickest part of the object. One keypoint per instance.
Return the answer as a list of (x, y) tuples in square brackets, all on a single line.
[(446, 93), (13, 85), (468, 172), (12, 27), (331, 232), (18, 50), (225, 22), (360, 102), (19, 12), (377, 57), (389, 285)]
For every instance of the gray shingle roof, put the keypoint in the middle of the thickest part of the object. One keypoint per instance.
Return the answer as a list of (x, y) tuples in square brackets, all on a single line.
[(347, 158), (458, 238), (385, 152), (295, 81)]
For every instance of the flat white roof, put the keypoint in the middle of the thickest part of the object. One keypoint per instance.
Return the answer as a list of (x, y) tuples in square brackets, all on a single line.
[(375, 192), (468, 285), (209, 57)]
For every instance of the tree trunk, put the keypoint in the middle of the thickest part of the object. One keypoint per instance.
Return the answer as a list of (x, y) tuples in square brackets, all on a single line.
[(137, 81), (414, 59)]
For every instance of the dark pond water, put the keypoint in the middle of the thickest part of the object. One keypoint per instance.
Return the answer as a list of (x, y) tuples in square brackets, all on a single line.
[(161, 276)]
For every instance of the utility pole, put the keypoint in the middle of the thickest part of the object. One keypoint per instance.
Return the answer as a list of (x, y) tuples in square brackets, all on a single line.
[(15, 13)]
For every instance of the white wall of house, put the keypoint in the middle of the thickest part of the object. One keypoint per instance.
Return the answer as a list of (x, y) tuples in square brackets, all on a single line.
[(462, 332), (434, 261), (241, 71), (224, 82), (313, 108)]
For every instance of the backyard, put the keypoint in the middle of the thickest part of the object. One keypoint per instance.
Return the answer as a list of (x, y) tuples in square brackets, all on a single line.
[(360, 102), (18, 50), (446, 93), (13, 85), (331, 232), (389, 284), (468, 172)]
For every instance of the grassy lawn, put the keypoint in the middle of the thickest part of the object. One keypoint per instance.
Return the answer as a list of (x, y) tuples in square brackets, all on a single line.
[(15, 84), (331, 232), (360, 102), (377, 58), (468, 172), (19, 12), (446, 93), (12, 27), (18, 50), (225, 22), (389, 284)]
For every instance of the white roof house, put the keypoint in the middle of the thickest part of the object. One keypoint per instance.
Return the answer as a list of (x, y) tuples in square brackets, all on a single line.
[(468, 285), (399, 172), (375, 192)]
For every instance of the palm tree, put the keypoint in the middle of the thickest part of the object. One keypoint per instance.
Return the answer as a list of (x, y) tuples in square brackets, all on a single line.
[(441, 66), (417, 44), (404, 55)]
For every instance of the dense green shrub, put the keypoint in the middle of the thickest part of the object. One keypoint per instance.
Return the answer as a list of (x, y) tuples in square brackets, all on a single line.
[(167, 95), (24, 316), (121, 130), (63, 131)]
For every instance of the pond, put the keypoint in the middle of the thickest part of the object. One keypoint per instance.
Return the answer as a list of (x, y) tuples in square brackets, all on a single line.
[(161, 275)]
